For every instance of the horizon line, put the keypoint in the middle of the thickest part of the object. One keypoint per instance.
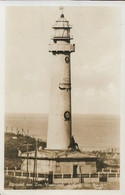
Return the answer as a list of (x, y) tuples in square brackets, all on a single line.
[(118, 114)]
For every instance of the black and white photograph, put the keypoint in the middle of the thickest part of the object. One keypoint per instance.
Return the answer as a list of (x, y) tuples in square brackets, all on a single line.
[(62, 98)]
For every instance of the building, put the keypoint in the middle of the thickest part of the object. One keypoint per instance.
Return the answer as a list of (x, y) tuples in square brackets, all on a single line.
[(66, 164)]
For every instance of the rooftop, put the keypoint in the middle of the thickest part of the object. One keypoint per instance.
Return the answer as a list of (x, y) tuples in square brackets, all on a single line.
[(59, 154)]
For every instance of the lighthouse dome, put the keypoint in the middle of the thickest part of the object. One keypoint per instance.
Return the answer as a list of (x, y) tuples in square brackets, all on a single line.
[(62, 23), (62, 29)]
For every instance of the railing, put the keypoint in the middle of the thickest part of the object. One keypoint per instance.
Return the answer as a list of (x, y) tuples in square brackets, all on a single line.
[(99, 176)]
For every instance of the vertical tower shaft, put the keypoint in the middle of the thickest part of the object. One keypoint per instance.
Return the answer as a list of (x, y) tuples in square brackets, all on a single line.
[(59, 123)]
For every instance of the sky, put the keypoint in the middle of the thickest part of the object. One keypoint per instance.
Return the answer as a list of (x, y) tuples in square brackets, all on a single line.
[(95, 64)]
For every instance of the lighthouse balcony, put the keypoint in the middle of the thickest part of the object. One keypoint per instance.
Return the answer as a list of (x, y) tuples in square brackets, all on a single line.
[(60, 37), (61, 47), (62, 26)]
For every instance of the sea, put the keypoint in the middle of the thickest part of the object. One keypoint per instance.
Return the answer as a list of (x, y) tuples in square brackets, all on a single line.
[(89, 131)]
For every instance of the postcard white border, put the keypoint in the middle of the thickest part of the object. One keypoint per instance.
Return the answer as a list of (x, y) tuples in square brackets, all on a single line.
[(3, 5)]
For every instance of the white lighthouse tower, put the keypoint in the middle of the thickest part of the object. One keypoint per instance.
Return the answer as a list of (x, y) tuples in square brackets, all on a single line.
[(57, 162), (59, 123)]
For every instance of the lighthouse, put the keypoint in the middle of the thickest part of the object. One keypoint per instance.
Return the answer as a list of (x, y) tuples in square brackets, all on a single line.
[(60, 116), (62, 161)]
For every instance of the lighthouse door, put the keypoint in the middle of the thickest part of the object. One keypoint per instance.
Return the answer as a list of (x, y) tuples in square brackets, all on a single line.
[(50, 177), (75, 170)]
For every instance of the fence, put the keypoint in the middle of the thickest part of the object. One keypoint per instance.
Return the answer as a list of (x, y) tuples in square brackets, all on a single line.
[(66, 178)]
